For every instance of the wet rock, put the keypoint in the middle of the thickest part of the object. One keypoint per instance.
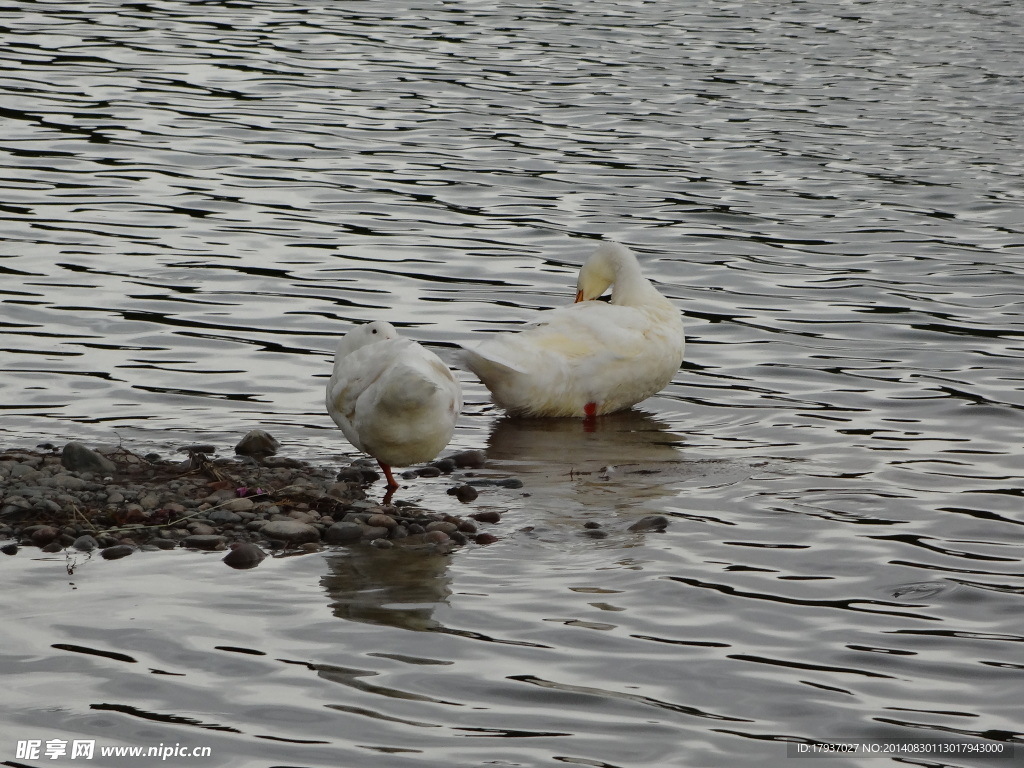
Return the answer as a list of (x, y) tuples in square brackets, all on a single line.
[(258, 444), (371, 533), (207, 542), (290, 531), (594, 533), (43, 535), (485, 538), (446, 465), (79, 458), (510, 482), (472, 459), (591, 524), (464, 493), (116, 552), (344, 533), (382, 543), (53, 546), (244, 555), (428, 471), (381, 521), (10, 549), (85, 543), (436, 537), (487, 516), (650, 523)]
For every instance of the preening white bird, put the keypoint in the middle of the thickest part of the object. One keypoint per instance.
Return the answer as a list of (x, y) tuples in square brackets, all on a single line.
[(592, 357), (393, 399)]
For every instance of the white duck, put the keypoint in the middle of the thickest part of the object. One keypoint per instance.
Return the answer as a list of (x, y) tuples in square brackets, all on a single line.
[(393, 399), (593, 357)]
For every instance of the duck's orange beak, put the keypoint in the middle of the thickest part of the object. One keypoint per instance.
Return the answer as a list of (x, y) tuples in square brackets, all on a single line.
[(579, 297)]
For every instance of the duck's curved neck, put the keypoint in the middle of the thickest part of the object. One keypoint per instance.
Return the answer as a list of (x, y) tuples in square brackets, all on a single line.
[(631, 287)]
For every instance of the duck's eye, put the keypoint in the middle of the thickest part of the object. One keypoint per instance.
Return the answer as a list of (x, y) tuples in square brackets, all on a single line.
[(373, 331)]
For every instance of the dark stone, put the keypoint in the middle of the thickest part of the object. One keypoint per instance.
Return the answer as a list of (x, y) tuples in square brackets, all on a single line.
[(116, 552), (487, 516), (43, 535), (595, 533), (382, 544), (244, 555), (258, 444), (10, 549), (85, 543), (464, 493), (436, 537), (428, 471), (472, 459), (79, 458), (204, 541), (592, 524), (650, 523), (485, 538), (510, 482), (343, 533), (446, 465)]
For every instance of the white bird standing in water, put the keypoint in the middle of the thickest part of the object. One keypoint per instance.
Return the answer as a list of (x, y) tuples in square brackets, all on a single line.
[(393, 399), (592, 357)]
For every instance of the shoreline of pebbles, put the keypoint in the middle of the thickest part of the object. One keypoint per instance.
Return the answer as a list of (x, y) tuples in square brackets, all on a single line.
[(116, 502)]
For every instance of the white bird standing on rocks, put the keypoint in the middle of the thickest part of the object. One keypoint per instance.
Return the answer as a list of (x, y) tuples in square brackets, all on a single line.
[(393, 399), (593, 357)]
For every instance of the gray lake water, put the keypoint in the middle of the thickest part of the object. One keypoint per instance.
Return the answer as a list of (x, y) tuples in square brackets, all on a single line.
[(197, 199)]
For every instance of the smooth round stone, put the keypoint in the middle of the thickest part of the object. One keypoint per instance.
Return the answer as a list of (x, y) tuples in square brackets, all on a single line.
[(428, 471), (381, 521), (464, 493), (485, 538), (244, 555), (510, 482), (344, 533), (116, 552), (436, 537), (44, 535), (10, 549), (290, 531), (238, 505), (85, 543)]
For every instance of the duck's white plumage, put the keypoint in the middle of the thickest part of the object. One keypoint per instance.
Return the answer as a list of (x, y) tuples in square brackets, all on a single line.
[(592, 357), (392, 398)]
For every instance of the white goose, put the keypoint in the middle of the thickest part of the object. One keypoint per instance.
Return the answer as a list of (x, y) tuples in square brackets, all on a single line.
[(393, 399), (593, 357)]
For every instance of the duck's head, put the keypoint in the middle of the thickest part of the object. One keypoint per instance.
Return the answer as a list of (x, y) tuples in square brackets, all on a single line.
[(602, 270), (368, 333)]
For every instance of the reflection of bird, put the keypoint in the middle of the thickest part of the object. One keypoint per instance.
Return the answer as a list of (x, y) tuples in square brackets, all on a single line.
[(590, 358), (392, 398)]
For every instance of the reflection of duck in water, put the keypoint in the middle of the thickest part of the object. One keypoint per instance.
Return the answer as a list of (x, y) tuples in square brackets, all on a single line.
[(394, 587), (393, 399), (629, 454), (590, 358)]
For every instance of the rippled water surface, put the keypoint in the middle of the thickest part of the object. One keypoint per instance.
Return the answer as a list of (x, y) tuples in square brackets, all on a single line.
[(197, 199)]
